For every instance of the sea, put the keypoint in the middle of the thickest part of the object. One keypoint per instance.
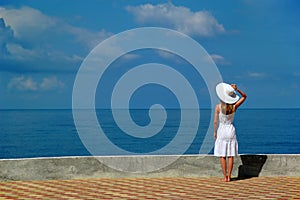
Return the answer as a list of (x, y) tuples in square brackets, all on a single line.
[(53, 133)]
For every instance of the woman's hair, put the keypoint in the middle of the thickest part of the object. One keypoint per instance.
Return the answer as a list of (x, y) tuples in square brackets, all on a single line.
[(227, 108)]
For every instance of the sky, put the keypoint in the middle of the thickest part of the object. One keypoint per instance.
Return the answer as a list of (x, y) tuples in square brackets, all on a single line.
[(254, 44)]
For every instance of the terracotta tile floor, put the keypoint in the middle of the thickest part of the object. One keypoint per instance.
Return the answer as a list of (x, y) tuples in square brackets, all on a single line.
[(154, 188)]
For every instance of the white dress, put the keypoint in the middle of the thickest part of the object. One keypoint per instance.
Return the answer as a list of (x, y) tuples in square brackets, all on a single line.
[(226, 143)]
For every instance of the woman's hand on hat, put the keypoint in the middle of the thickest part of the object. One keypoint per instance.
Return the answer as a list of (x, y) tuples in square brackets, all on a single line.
[(234, 86)]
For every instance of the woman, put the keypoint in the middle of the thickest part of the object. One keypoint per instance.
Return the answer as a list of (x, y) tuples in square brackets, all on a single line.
[(226, 144)]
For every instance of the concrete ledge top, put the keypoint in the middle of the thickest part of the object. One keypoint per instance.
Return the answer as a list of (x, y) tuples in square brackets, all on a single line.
[(130, 156)]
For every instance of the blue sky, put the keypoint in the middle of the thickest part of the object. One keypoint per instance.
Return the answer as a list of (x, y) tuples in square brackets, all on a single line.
[(254, 44)]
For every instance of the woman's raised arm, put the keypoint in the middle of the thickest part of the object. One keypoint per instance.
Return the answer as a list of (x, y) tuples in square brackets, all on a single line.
[(241, 100)]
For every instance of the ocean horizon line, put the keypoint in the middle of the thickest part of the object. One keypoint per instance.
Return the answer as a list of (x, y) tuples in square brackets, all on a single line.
[(205, 108)]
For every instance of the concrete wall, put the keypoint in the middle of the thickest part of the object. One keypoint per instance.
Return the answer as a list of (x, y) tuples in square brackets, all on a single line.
[(187, 166)]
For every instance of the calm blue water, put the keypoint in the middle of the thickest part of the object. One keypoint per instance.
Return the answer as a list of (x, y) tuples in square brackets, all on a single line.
[(48, 133)]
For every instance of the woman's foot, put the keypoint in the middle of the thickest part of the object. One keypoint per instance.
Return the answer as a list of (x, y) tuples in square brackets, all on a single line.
[(228, 179), (224, 179)]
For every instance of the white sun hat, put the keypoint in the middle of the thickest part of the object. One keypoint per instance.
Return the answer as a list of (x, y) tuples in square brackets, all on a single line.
[(226, 93)]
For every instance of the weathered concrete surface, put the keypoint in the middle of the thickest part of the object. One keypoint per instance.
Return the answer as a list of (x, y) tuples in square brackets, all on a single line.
[(184, 166)]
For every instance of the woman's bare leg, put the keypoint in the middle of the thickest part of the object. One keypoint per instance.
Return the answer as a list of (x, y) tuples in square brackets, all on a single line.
[(230, 166), (224, 167)]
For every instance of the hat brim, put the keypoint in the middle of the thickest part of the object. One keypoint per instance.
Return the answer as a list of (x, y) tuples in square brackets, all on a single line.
[(222, 92)]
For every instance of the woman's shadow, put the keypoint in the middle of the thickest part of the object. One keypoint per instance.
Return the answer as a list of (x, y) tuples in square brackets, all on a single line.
[(251, 166)]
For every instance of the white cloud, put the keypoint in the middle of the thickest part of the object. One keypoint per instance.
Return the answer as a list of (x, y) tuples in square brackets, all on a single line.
[(296, 74), (256, 74), (130, 56), (51, 83), (294, 86), (87, 38), (165, 54), (28, 38), (26, 21), (201, 23), (6, 34), (19, 52), (168, 55), (23, 83), (218, 59)]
